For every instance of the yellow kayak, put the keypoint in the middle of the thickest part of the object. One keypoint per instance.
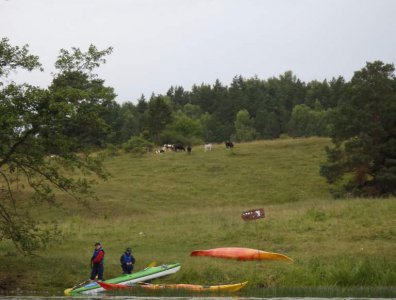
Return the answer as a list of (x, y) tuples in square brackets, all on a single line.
[(197, 288)]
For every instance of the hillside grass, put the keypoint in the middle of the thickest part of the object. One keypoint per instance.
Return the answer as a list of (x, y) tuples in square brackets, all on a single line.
[(164, 206)]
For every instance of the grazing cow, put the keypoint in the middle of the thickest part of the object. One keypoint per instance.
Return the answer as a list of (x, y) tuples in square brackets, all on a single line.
[(229, 144), (159, 151), (189, 149), (178, 147), (167, 147), (208, 147)]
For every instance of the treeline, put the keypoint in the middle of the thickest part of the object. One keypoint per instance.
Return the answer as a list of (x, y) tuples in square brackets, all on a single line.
[(359, 116), (247, 109)]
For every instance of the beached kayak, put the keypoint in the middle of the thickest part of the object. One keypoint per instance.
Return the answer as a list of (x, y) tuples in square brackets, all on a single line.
[(180, 286), (241, 254), (140, 276)]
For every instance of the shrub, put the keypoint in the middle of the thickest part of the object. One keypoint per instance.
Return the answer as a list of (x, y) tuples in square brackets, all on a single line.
[(137, 145), (112, 150)]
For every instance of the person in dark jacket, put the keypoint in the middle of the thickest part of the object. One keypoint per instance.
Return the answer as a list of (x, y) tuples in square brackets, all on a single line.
[(127, 261), (97, 260)]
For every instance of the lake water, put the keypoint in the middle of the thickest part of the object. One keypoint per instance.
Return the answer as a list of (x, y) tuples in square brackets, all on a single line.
[(290, 293), (108, 297)]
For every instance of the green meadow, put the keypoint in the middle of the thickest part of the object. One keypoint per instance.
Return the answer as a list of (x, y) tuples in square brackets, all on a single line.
[(165, 206)]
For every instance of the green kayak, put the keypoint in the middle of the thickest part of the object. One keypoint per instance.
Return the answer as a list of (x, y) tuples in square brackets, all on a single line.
[(149, 273)]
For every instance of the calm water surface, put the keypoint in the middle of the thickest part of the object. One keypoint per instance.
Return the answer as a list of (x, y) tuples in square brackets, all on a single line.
[(105, 297), (290, 293)]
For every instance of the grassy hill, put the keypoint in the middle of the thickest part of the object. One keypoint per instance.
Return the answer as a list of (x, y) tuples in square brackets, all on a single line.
[(164, 206)]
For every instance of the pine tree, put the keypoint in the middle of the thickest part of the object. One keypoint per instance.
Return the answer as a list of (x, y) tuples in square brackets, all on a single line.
[(363, 157)]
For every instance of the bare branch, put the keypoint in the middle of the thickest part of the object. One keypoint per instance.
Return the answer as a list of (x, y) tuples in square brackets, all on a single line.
[(9, 189), (15, 146)]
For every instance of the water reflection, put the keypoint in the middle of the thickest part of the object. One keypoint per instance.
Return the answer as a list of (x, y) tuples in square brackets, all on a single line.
[(106, 297)]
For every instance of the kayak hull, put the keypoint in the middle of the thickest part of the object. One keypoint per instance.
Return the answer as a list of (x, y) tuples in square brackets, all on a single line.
[(147, 274), (189, 287), (241, 254), (197, 288), (114, 286)]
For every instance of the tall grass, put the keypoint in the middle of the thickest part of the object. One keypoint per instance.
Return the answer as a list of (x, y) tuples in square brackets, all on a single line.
[(164, 206)]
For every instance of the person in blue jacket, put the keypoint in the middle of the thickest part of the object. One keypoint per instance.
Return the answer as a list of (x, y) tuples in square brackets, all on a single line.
[(127, 261), (97, 260)]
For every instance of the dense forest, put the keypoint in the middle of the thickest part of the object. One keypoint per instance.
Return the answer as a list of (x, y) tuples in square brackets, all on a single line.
[(247, 109)]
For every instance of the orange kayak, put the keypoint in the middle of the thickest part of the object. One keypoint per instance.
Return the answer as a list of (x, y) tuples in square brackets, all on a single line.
[(241, 254), (190, 287)]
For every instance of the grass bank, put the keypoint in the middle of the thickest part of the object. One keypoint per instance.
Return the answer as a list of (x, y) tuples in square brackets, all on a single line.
[(164, 206)]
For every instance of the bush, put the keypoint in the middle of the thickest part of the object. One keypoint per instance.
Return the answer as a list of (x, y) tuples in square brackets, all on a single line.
[(172, 137), (137, 145), (112, 150)]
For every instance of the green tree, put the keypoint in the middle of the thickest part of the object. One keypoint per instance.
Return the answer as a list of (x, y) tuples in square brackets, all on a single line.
[(267, 124), (244, 130), (89, 101), (131, 121), (112, 117), (138, 145), (212, 129), (364, 134), (192, 111), (305, 121), (284, 92), (14, 57), (182, 130), (142, 105), (337, 87), (203, 97), (36, 149), (178, 96), (159, 115), (302, 121), (317, 91)]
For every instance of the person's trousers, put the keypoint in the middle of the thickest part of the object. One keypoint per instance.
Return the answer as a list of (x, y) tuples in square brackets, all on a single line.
[(97, 270), (127, 269)]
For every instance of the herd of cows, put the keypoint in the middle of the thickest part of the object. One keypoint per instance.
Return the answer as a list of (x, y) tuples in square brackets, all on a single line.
[(180, 147)]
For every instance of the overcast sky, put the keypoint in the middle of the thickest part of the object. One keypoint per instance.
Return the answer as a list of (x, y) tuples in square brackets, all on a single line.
[(159, 43)]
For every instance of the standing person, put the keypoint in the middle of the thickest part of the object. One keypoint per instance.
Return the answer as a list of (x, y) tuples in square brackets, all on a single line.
[(127, 260), (97, 260)]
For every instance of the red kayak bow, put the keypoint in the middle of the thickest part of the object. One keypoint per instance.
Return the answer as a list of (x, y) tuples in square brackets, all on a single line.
[(113, 286)]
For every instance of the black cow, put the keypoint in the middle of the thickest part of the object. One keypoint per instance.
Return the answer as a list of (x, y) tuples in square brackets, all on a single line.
[(178, 147), (189, 149), (229, 144)]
